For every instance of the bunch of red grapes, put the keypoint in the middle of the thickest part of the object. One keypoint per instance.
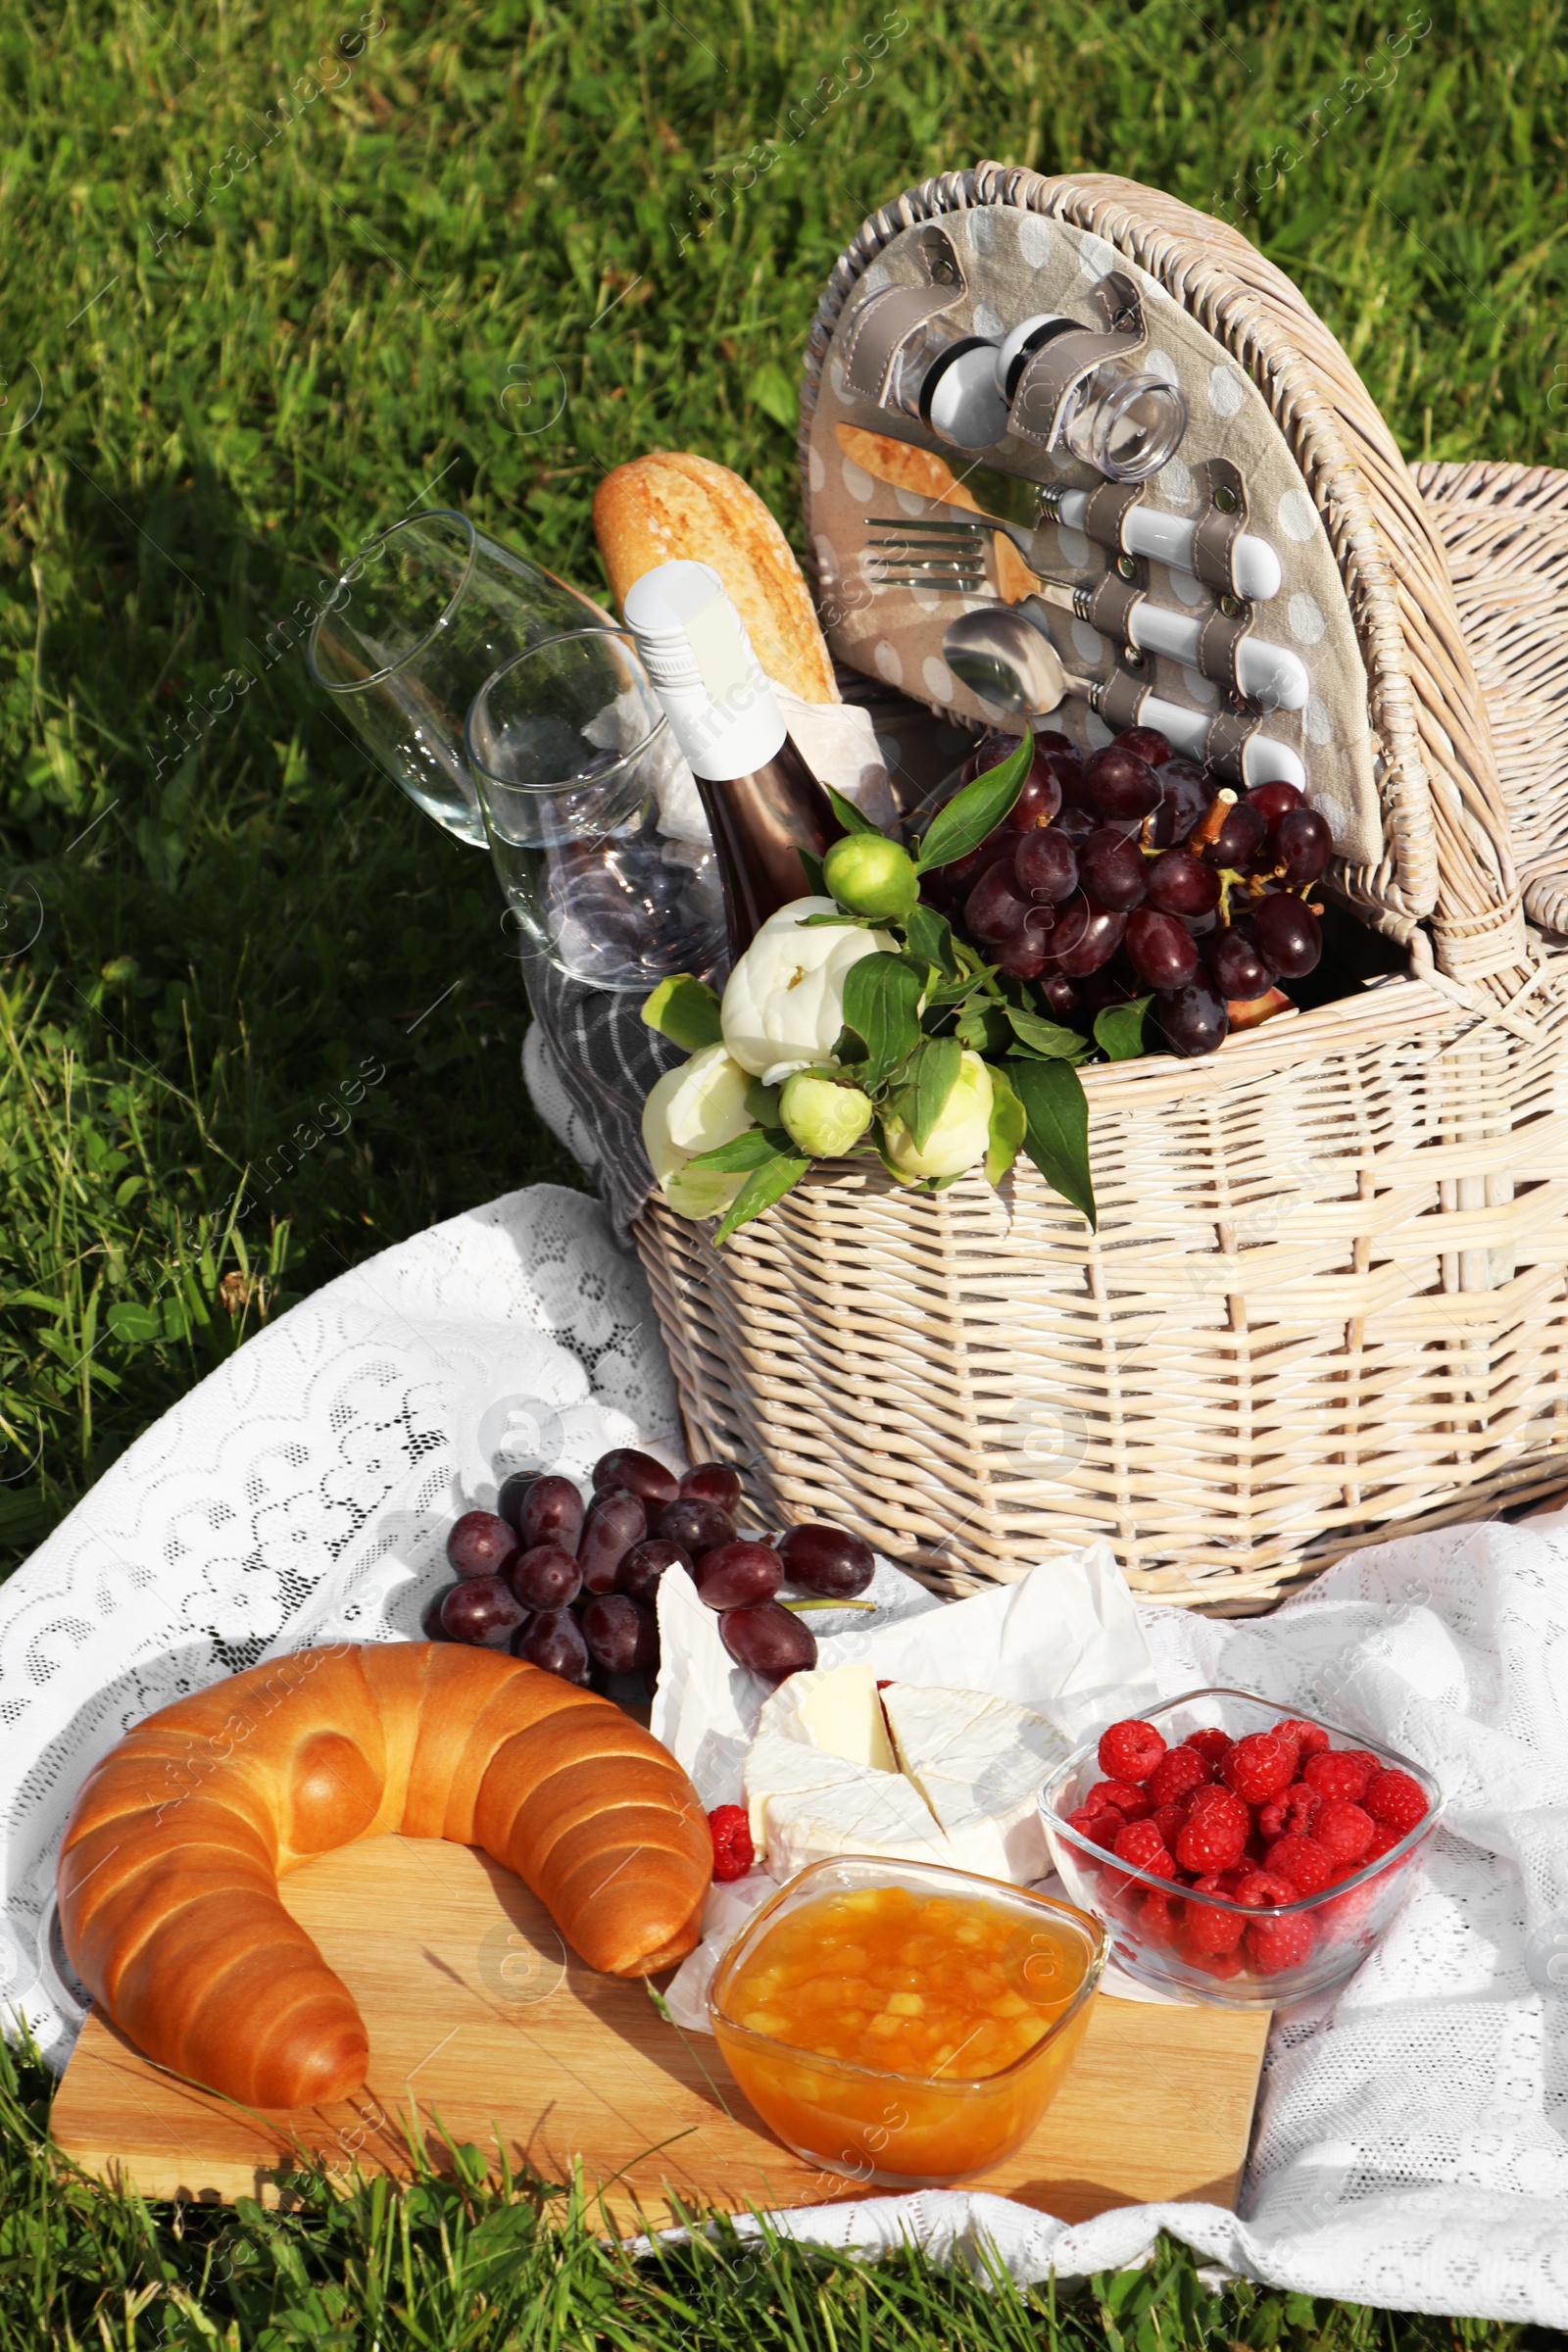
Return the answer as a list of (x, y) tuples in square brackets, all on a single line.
[(572, 1587), (1132, 873)]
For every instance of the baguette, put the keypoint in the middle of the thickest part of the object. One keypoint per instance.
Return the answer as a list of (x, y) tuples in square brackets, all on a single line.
[(673, 505), (169, 1871), (902, 467)]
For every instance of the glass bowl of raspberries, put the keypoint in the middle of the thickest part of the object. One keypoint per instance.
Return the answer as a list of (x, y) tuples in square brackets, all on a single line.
[(1238, 1854)]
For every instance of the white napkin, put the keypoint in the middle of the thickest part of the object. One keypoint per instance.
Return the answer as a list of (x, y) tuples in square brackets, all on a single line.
[(836, 740)]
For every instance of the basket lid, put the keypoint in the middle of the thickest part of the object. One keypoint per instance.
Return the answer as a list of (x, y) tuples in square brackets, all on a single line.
[(1284, 456)]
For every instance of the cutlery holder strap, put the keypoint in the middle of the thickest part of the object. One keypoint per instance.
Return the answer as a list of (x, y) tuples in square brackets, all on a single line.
[(1224, 520), (1111, 603), (1106, 511), (1053, 372), (886, 321), (1121, 698), (1228, 731), (1218, 641)]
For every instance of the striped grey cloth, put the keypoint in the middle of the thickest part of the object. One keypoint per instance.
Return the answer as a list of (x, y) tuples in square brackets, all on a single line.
[(604, 1057), (599, 1057)]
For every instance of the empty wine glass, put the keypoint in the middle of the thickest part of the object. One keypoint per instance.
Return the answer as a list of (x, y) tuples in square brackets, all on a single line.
[(414, 627), (570, 751)]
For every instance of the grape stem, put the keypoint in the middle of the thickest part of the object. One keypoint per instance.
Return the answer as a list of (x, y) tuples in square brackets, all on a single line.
[(1213, 817), (828, 1604)]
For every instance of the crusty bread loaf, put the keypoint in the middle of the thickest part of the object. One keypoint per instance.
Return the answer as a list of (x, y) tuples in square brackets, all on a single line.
[(673, 505), (167, 1875)]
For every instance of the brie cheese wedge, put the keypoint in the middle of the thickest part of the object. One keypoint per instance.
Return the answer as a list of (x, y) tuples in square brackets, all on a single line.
[(835, 1708), (979, 1763), (806, 1806)]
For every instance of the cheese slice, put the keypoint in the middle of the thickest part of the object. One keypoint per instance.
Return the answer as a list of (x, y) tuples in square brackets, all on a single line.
[(806, 1806), (834, 1708), (979, 1763)]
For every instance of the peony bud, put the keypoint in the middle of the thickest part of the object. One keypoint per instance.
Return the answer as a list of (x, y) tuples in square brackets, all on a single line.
[(823, 1118), (695, 1108), (960, 1137), (872, 875), (784, 1001)]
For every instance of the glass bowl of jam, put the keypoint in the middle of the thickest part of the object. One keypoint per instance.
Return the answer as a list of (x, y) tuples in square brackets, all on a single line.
[(904, 2024)]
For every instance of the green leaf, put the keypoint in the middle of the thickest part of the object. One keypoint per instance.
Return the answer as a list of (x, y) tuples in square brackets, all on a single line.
[(983, 1026), (881, 1005), (1049, 1037), (1057, 1130), (853, 819), (816, 886), (936, 1074), (136, 1325), (686, 1012), (753, 1149), (841, 922), (1007, 1123), (1119, 1029), (761, 1101), (760, 1189), (976, 811), (930, 938)]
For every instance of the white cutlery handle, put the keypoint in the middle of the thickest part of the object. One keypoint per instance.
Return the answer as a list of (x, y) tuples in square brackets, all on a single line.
[(1269, 675), (1263, 760), (1168, 539)]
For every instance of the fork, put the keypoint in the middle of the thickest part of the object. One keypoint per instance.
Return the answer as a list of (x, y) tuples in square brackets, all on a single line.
[(949, 558)]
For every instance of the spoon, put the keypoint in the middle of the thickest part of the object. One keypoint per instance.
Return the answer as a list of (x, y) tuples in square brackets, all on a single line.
[(1007, 661)]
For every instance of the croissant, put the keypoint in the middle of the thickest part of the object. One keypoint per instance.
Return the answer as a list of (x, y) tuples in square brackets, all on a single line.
[(167, 1875)]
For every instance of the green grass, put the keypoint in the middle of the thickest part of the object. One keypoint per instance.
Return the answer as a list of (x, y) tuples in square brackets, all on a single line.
[(208, 951)]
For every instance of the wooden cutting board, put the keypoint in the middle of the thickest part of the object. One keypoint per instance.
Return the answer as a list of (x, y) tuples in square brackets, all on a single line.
[(484, 2030)]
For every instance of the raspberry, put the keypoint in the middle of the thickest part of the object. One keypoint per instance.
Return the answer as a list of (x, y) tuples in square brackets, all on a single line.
[(1295, 1810), (1394, 1800), (1342, 1830), (1213, 1744), (1169, 1821), (1300, 1860), (733, 1850), (1213, 1793), (1208, 1930), (1276, 1944), (1142, 1844), (1158, 1920), (1177, 1772), (1363, 1755), (1261, 1887), (1130, 1750), (1340, 1775), (1215, 1835), (1308, 1738), (1121, 1795), (1385, 1838), (1258, 1767), (1218, 1964)]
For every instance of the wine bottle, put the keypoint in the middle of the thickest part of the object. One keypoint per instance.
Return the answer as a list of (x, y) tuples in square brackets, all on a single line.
[(763, 802)]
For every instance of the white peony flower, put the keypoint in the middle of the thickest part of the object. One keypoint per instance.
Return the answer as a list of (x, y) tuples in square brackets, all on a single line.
[(695, 1108), (784, 1001), (960, 1135)]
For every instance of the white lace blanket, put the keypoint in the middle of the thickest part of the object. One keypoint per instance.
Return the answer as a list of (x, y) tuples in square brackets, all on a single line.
[(1412, 2141)]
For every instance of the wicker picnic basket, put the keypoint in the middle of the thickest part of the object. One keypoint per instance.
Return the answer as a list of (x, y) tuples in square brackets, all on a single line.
[(1327, 1297)]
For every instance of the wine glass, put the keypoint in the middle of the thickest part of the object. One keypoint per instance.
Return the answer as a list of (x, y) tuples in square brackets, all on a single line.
[(414, 628), (569, 750)]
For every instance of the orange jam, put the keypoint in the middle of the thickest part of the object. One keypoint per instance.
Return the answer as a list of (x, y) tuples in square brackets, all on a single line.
[(962, 1997)]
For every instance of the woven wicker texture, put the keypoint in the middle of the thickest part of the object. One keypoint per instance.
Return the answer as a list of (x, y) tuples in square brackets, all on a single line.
[(1504, 529), (1327, 1297), (1448, 857)]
